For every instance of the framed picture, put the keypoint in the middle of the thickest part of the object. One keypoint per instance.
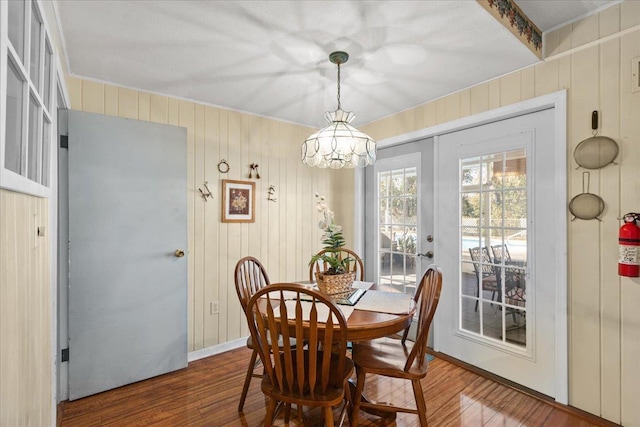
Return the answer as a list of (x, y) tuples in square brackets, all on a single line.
[(238, 201)]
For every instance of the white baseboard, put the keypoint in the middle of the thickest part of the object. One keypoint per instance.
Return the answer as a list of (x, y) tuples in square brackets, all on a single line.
[(216, 349)]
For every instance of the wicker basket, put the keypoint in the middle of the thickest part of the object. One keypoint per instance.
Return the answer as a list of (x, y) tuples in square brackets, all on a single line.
[(335, 283)]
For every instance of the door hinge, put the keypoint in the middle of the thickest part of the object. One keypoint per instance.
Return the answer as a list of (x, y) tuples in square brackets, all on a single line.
[(65, 354), (64, 141)]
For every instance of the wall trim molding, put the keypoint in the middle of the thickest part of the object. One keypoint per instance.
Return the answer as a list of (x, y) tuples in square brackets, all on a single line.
[(216, 349)]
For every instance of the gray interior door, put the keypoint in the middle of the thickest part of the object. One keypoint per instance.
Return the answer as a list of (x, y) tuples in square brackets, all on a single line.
[(127, 219)]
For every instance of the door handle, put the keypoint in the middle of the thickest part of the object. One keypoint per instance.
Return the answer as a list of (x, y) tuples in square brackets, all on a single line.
[(179, 253), (428, 254)]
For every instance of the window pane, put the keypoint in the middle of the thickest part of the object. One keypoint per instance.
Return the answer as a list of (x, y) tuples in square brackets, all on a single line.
[(34, 63), (13, 131), (47, 78), (33, 156), (46, 149), (16, 27)]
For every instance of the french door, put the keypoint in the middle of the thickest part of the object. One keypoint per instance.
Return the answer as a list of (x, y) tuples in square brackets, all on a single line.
[(399, 211), (497, 227)]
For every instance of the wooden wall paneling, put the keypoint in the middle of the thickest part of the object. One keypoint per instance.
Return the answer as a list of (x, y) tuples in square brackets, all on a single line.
[(111, 100), (225, 270), (510, 88), (418, 119), (198, 227), (300, 170), (239, 171), (528, 83), (494, 94), (272, 256), (585, 30), (267, 176), (158, 109), (75, 92), (480, 98), (144, 106), (92, 97), (186, 118), (430, 114), (609, 21), (452, 107), (309, 213), (629, 14), (546, 77), (585, 252), (564, 39), (277, 240), (288, 217), (25, 371), (630, 202), (441, 111), (550, 43), (609, 112), (173, 112), (127, 103), (9, 404), (465, 103), (211, 257)]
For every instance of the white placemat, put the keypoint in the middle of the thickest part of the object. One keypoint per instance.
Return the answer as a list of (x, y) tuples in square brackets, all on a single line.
[(361, 285), (385, 302)]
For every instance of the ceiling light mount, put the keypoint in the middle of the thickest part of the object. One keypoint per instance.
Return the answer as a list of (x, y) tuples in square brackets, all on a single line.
[(339, 145), (338, 57)]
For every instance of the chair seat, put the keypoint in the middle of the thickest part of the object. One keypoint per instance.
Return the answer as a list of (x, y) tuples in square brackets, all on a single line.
[(386, 356), (331, 397)]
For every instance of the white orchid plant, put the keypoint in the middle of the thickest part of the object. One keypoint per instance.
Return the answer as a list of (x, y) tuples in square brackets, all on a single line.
[(332, 239)]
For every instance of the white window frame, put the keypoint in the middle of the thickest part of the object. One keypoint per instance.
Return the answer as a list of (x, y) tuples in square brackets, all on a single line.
[(10, 180)]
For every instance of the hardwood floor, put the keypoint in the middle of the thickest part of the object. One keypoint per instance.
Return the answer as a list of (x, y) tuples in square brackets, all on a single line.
[(206, 394)]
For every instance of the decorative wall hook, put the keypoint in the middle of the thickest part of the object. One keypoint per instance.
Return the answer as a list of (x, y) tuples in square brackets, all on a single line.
[(223, 166), (254, 168), (271, 193), (206, 193)]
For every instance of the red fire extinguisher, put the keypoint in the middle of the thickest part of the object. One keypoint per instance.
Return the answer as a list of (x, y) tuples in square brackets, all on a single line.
[(629, 244)]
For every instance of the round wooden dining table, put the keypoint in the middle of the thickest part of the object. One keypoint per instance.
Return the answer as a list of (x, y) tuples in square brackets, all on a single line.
[(367, 325)]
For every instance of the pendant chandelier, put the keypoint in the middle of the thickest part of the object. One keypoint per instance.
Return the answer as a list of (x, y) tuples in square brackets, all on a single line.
[(339, 145)]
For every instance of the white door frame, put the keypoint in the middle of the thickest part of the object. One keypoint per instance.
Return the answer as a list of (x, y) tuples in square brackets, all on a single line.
[(557, 101)]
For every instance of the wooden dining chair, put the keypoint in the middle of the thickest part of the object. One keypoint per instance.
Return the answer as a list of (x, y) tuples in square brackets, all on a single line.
[(250, 277), (400, 358), (485, 272), (314, 375), (356, 266)]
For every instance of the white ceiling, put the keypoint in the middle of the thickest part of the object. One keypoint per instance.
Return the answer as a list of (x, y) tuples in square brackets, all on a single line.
[(271, 57)]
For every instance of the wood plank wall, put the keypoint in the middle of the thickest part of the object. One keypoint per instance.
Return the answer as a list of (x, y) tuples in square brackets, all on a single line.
[(26, 368), (590, 58), (285, 233)]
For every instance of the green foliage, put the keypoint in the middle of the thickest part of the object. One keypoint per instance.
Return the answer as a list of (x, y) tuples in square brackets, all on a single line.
[(333, 241)]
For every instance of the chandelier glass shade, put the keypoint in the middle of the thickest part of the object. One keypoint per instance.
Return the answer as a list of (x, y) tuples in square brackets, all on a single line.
[(339, 145)]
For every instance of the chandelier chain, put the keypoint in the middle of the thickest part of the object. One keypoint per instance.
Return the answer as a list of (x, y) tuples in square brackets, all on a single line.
[(339, 107)]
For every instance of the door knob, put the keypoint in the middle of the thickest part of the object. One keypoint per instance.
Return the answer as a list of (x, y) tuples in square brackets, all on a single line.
[(179, 253), (428, 254)]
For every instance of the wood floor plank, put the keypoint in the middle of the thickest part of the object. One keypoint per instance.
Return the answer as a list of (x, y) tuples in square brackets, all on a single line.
[(207, 392)]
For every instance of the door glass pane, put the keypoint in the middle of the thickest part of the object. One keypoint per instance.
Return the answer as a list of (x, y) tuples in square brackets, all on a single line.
[(397, 222), (46, 150), (16, 27), (46, 88), (34, 62), (13, 131), (493, 230), (33, 148)]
